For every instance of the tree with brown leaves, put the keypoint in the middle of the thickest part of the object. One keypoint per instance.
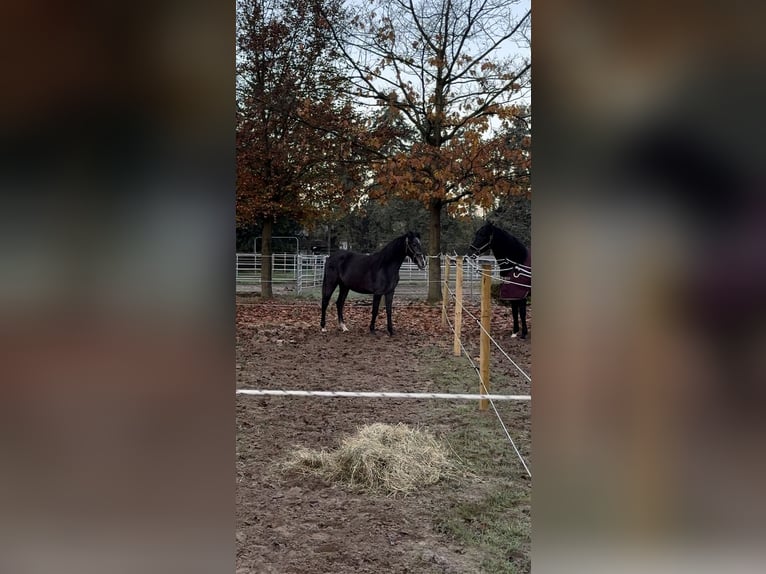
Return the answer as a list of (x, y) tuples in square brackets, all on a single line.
[(443, 67), (293, 159)]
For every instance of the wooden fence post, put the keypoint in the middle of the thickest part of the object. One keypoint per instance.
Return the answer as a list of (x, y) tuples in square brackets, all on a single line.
[(486, 307), (458, 305), (445, 291)]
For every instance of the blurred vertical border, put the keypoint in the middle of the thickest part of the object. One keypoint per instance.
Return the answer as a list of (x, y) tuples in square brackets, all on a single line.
[(116, 287), (650, 287)]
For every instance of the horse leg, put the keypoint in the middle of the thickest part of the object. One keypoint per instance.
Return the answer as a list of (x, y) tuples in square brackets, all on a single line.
[(339, 303), (389, 305), (375, 307), (328, 288), (523, 311), (515, 311)]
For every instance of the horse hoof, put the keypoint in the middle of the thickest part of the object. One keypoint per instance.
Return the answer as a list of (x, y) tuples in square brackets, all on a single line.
[(324, 330), (513, 336), (343, 327)]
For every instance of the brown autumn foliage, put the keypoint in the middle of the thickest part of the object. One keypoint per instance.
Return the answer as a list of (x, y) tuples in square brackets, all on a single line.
[(293, 156), (475, 167), (276, 84)]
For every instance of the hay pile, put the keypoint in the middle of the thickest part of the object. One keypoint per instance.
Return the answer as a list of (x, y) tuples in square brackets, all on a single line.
[(395, 459)]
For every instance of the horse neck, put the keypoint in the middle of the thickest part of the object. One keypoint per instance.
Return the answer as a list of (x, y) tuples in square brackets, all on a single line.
[(506, 246), (394, 252)]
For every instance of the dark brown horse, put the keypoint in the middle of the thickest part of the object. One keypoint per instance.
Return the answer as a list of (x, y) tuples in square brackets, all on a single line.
[(515, 262), (376, 274)]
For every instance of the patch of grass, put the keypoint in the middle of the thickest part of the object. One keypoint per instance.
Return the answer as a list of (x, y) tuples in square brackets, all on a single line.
[(498, 525), (493, 516), (452, 374)]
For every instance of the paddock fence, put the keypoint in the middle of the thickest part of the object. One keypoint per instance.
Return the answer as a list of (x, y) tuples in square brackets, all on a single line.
[(302, 274)]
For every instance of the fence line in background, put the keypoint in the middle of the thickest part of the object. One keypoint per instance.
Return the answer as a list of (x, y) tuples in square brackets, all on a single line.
[(303, 273)]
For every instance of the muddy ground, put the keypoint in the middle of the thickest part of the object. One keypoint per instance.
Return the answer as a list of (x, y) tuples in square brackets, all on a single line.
[(299, 524)]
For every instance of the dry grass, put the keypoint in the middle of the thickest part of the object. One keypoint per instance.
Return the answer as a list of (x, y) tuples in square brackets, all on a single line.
[(395, 459)]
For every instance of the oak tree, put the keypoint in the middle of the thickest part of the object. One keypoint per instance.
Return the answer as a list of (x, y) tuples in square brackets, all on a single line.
[(292, 159), (447, 68)]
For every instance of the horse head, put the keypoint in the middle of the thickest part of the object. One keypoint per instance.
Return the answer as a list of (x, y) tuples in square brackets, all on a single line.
[(414, 249), (483, 239)]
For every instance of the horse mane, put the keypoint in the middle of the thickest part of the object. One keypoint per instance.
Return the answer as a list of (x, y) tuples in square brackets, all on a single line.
[(508, 246), (393, 248)]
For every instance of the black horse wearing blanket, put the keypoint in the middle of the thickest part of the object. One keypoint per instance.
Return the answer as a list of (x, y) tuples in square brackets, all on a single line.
[(515, 262), (376, 274)]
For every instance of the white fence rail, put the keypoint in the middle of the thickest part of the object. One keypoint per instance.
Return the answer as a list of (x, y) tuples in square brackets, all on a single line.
[(301, 273)]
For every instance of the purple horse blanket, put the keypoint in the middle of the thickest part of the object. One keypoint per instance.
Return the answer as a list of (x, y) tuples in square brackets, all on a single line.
[(520, 279)]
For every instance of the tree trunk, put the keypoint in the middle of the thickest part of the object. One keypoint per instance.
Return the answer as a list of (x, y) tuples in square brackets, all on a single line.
[(434, 247), (266, 290)]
